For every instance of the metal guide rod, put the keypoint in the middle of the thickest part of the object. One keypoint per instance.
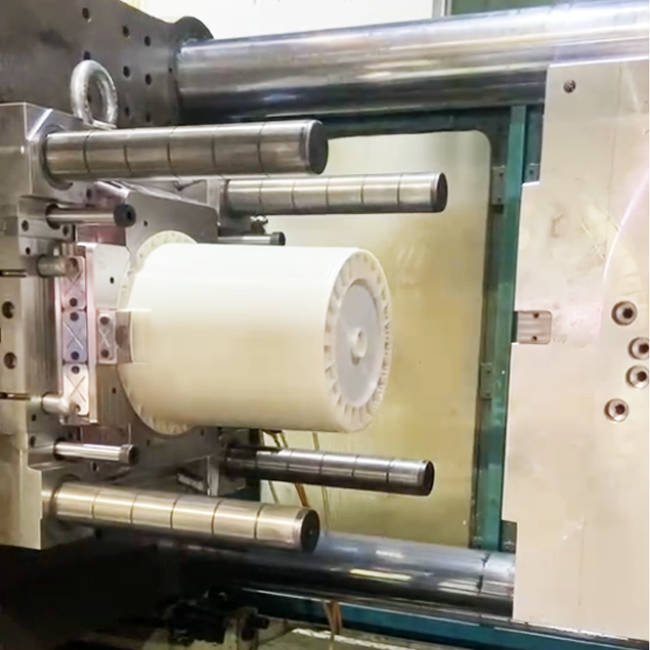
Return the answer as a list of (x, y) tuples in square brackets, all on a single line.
[(379, 193), (123, 454), (493, 58), (272, 239), (123, 215), (375, 568), (391, 475), (187, 151), (218, 520)]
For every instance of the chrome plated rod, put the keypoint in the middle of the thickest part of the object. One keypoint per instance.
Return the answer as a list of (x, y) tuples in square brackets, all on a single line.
[(123, 454), (218, 520), (379, 193), (391, 475), (272, 239), (187, 151), (123, 215), (372, 568), (493, 58)]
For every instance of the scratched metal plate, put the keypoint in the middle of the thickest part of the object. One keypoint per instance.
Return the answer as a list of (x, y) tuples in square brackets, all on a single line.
[(577, 481)]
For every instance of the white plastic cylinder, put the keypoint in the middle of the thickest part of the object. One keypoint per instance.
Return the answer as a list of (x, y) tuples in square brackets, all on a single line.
[(260, 337)]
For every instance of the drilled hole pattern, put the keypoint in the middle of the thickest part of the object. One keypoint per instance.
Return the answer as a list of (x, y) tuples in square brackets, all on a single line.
[(144, 91)]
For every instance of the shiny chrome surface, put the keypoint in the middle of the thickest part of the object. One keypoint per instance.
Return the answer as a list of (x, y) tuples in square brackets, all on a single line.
[(377, 193), (123, 454), (122, 215), (375, 568), (219, 520), (173, 152), (85, 75), (56, 266), (391, 475), (475, 60), (58, 404), (272, 239)]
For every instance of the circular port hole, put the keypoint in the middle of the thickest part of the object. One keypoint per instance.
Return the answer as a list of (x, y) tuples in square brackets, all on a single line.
[(8, 309), (617, 410), (640, 347), (638, 376), (10, 360), (624, 312)]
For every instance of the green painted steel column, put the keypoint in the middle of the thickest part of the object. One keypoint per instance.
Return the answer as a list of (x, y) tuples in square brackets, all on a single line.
[(503, 233)]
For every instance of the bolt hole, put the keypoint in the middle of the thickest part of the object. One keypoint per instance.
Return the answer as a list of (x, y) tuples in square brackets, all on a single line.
[(534, 338), (73, 302), (105, 354), (126, 71), (148, 79), (170, 70), (87, 55), (94, 467), (126, 32), (569, 86), (624, 312), (8, 309), (74, 316), (145, 223), (111, 280), (114, 390), (202, 432), (75, 370), (32, 441), (33, 418), (147, 41), (643, 348), (65, 230), (28, 251), (24, 226), (127, 111), (85, 12), (74, 356), (10, 360), (104, 320), (536, 315), (616, 410), (638, 376)]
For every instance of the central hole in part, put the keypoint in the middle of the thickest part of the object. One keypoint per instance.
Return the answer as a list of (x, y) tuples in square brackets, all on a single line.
[(358, 344)]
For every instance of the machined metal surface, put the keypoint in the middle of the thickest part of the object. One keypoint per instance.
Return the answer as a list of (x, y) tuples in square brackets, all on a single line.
[(52, 266), (272, 239), (378, 193), (379, 569), (176, 152), (123, 454), (475, 60), (134, 47), (577, 439), (122, 215), (218, 520), (391, 475), (89, 74)]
